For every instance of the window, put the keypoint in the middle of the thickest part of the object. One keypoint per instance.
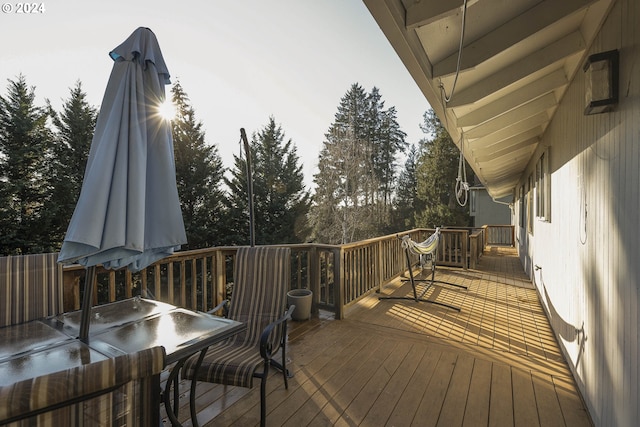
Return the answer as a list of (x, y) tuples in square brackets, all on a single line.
[(543, 188), (473, 202), (523, 214), (530, 193)]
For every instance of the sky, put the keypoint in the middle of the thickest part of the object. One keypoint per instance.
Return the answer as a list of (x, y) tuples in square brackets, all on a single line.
[(239, 61)]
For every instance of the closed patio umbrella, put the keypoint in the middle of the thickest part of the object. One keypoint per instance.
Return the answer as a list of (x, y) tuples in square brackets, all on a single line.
[(128, 213)]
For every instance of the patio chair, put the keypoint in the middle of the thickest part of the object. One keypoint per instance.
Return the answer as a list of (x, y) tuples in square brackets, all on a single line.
[(427, 252), (261, 282), (31, 287)]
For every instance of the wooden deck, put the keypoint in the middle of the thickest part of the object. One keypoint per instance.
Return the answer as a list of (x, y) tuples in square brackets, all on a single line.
[(402, 363)]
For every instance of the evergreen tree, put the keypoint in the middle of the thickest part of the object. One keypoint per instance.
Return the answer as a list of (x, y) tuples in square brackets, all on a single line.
[(281, 203), (25, 142), (199, 174), (356, 176), (387, 140), (344, 174), (436, 177), (406, 197), (74, 131)]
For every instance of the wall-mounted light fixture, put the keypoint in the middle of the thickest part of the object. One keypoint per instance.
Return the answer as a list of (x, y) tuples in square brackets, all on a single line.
[(601, 80)]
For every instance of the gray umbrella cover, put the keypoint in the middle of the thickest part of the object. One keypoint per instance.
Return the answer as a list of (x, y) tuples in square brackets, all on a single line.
[(128, 212)]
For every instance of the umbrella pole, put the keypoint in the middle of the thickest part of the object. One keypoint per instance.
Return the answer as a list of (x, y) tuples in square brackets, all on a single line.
[(252, 232), (87, 302)]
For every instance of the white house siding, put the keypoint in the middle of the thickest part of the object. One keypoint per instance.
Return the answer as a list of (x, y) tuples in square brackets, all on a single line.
[(589, 251)]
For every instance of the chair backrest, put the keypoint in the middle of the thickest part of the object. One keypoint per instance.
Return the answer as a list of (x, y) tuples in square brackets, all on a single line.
[(31, 287), (262, 277)]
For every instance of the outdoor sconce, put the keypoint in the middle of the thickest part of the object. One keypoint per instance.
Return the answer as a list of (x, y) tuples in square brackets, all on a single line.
[(601, 80)]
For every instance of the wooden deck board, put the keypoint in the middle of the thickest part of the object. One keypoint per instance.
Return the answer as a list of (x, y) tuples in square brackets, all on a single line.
[(547, 400), (400, 363), (367, 395), (395, 388), (404, 412), (429, 409), (524, 399), (452, 412), (501, 403), (476, 411)]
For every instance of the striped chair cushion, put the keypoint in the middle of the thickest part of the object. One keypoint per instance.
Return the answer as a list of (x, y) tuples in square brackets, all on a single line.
[(261, 282), (31, 287), (109, 391)]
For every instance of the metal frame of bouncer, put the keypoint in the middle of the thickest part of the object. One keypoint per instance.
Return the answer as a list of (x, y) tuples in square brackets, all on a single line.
[(428, 253)]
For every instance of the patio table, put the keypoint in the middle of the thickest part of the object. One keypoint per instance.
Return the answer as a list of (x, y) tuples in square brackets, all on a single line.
[(123, 327), (34, 349)]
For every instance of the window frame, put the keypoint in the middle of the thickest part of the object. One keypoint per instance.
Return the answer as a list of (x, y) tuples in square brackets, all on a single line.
[(543, 188)]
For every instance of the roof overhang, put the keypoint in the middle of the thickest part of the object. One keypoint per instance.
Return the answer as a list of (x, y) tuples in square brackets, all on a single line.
[(517, 61)]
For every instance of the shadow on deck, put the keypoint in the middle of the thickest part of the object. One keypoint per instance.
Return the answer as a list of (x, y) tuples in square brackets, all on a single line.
[(401, 363)]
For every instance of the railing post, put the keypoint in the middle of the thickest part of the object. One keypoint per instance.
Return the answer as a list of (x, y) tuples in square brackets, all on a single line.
[(219, 278), (205, 291), (338, 282), (194, 284), (465, 249), (485, 237), (473, 251), (157, 282), (381, 263), (314, 276), (183, 284)]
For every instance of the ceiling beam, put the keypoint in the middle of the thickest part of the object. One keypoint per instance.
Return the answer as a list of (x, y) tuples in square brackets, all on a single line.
[(516, 115), (505, 177), (568, 45), (505, 143), (511, 175), (508, 34), (505, 166), (518, 97), (539, 120), (426, 12), (511, 150), (503, 188), (508, 159)]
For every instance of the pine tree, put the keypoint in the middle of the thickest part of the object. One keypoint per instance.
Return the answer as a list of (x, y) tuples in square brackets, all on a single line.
[(387, 140), (356, 176), (25, 142), (281, 203), (406, 197), (344, 175), (74, 131), (436, 176), (199, 174)]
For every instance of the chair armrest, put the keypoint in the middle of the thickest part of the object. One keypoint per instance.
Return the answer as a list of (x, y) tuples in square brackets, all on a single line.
[(265, 344), (223, 305)]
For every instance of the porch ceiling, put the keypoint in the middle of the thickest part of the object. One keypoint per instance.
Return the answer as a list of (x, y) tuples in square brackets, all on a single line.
[(517, 61)]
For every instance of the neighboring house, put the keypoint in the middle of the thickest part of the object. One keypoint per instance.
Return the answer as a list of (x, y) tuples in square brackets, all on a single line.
[(520, 112), (485, 211)]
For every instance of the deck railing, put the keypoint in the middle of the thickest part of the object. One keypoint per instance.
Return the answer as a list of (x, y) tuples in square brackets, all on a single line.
[(501, 235), (338, 275)]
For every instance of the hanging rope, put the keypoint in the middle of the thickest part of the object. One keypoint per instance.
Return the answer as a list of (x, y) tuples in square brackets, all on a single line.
[(462, 186), (446, 98)]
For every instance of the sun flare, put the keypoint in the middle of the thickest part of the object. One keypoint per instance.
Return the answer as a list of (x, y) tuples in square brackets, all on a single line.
[(167, 110)]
